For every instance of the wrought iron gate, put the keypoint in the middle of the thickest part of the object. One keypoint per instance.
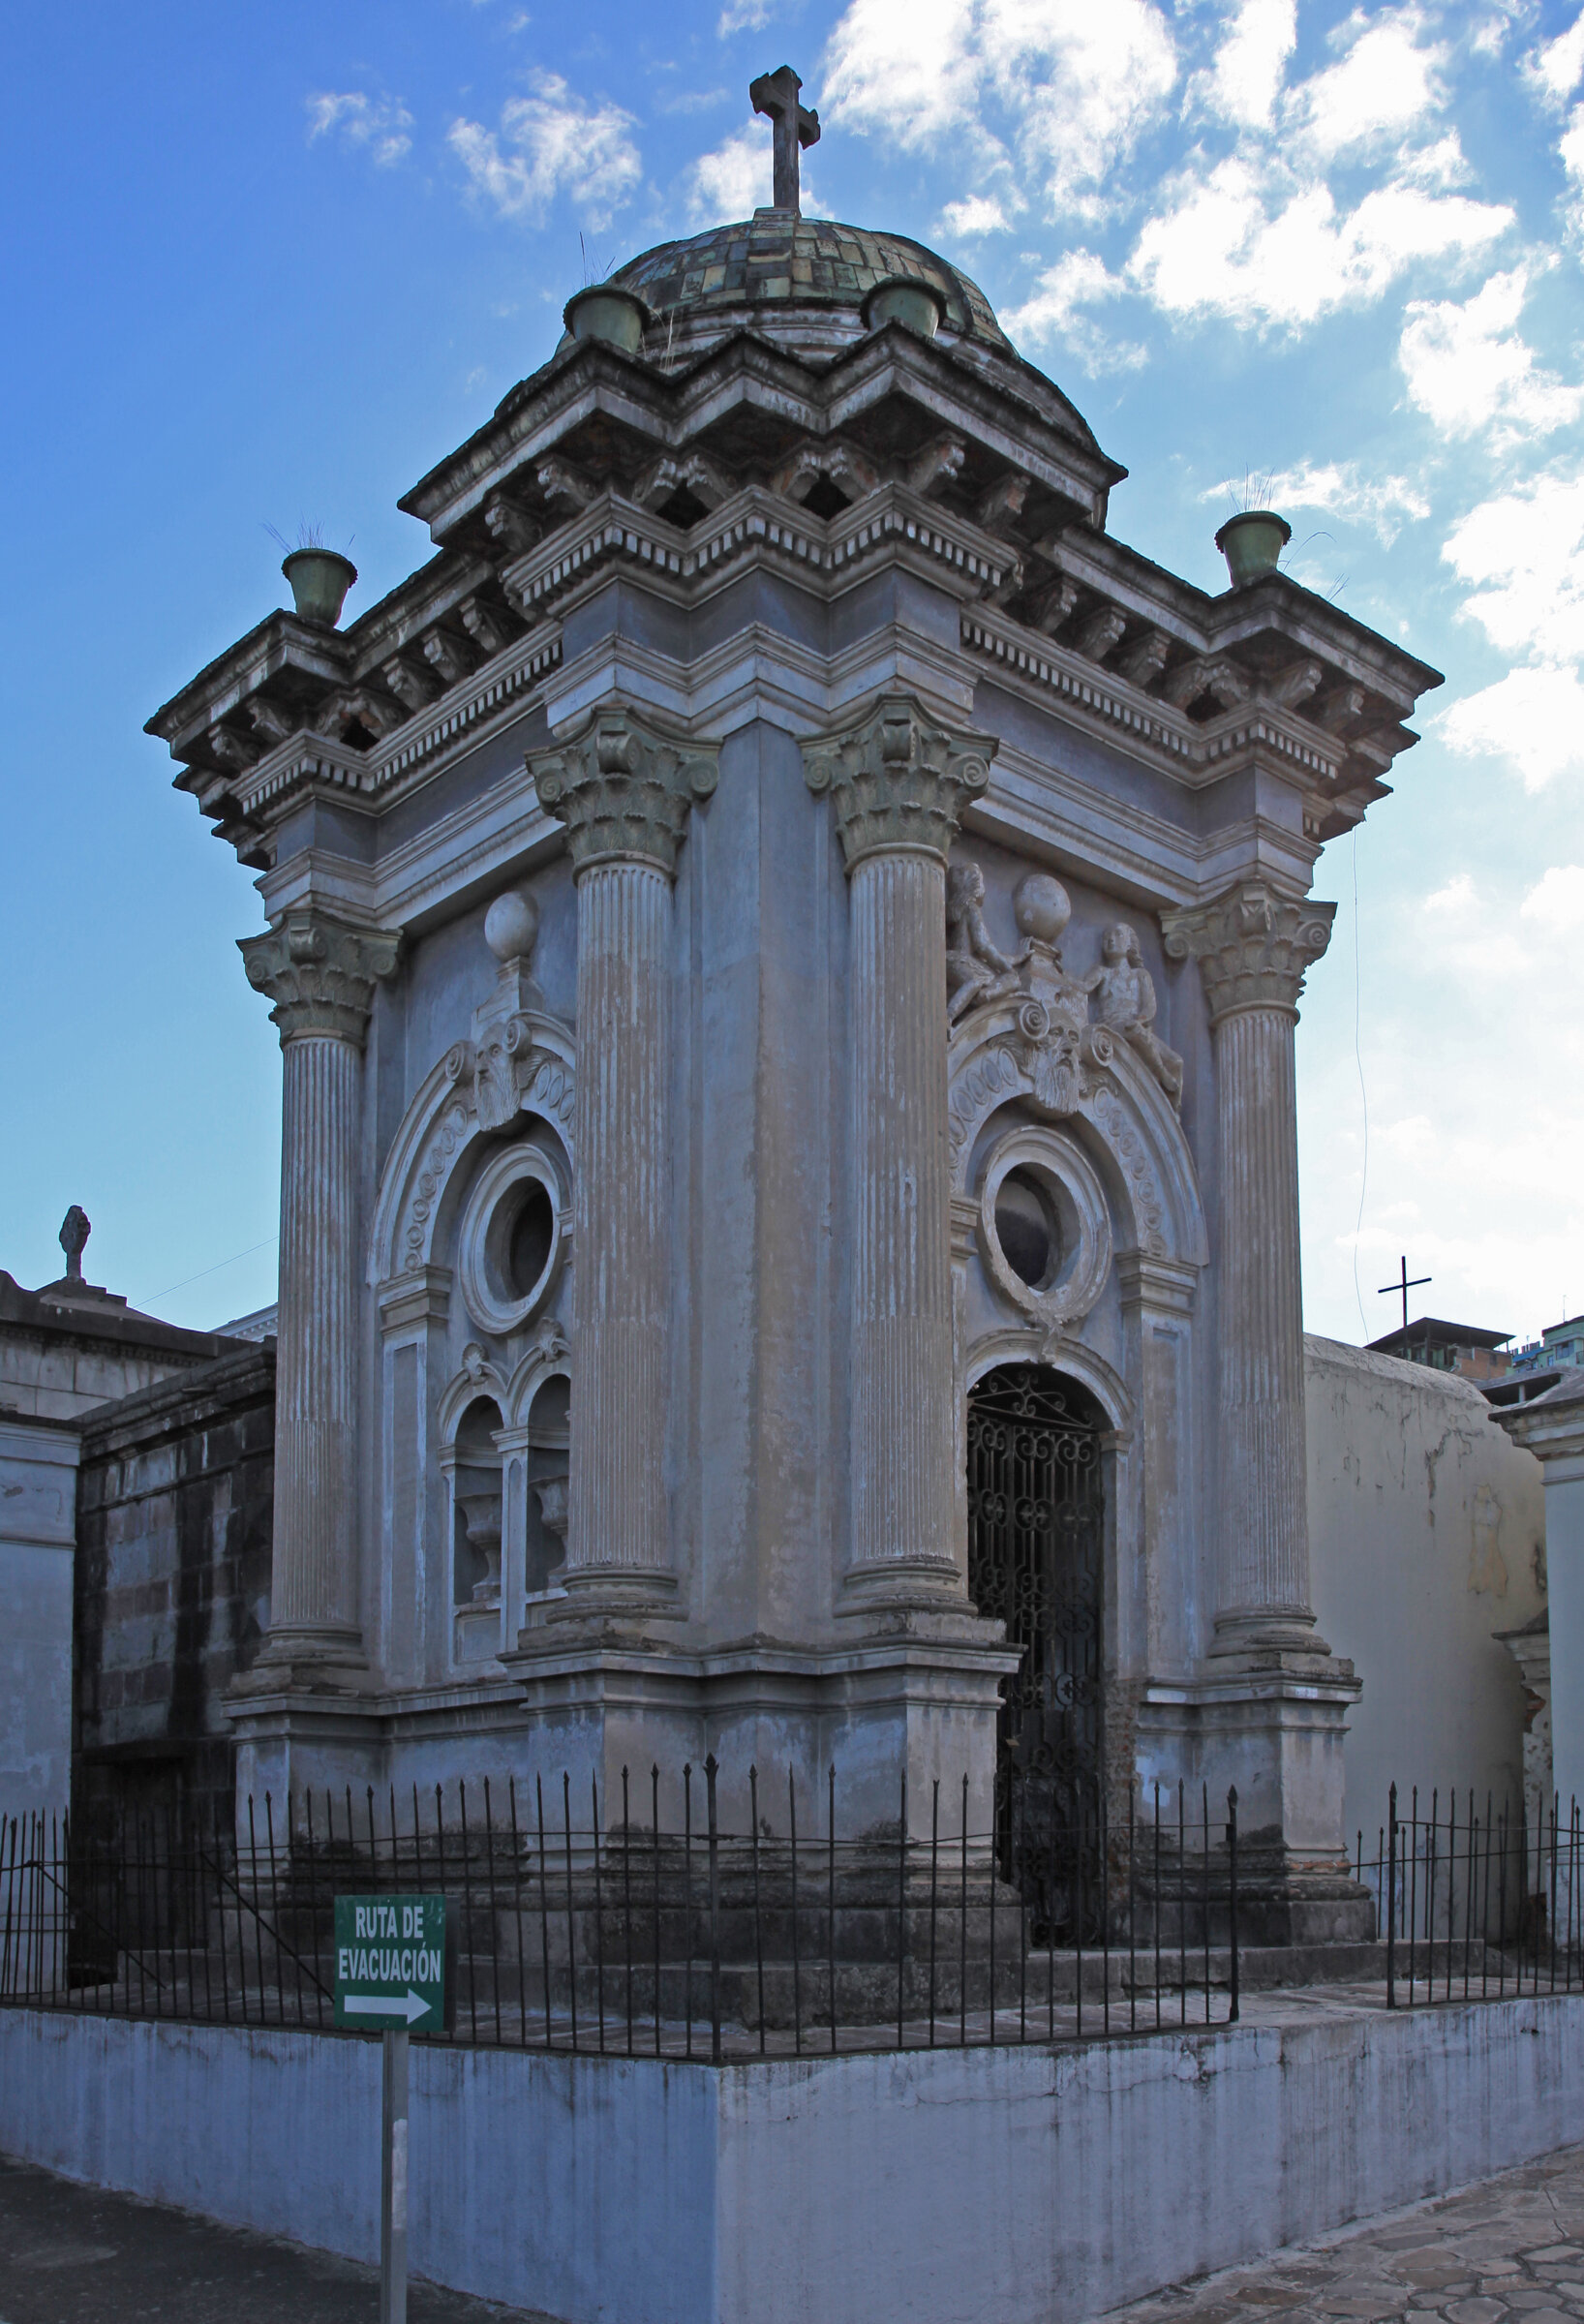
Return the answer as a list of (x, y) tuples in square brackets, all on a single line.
[(1035, 1547)]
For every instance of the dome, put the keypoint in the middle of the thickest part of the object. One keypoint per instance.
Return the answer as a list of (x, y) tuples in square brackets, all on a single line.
[(798, 280)]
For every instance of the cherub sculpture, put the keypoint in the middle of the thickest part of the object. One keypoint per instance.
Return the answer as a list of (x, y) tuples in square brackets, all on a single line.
[(1124, 998), (975, 970)]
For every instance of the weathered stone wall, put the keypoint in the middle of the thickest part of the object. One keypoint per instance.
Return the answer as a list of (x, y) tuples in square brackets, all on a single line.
[(174, 1506), (1428, 1532)]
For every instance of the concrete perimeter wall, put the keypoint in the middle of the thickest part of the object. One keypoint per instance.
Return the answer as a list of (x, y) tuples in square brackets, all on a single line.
[(1001, 2187)]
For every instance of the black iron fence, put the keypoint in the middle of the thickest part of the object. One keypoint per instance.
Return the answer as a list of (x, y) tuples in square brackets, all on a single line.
[(592, 1925)]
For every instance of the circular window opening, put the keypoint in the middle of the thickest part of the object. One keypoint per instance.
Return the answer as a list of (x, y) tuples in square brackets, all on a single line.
[(529, 1243), (1027, 1227)]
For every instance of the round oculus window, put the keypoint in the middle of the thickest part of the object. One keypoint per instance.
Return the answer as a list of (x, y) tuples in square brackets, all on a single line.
[(1027, 1228), (511, 1241)]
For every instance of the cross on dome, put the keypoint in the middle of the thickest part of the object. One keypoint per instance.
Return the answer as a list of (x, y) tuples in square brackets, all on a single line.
[(775, 95)]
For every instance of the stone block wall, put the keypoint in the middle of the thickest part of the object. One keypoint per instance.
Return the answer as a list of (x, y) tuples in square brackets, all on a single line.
[(175, 1511)]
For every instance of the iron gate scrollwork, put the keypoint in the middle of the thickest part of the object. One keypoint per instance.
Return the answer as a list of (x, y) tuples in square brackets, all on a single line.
[(1035, 1549)]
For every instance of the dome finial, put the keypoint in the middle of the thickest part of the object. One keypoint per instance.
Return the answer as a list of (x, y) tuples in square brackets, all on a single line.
[(776, 94)]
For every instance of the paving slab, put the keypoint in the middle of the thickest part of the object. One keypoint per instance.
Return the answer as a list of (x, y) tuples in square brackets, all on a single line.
[(1507, 2249), (74, 2255)]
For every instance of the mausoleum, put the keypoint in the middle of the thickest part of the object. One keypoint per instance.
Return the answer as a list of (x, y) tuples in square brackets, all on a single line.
[(786, 936)]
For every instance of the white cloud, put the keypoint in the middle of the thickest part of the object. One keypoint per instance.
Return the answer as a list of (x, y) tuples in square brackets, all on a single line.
[(977, 214), (1522, 552), (1532, 717), (1556, 69), (1245, 79), (732, 181), (1467, 369), (1556, 901), (548, 144), (1058, 91), (1051, 314), (744, 16), (1253, 246), (378, 123), (1339, 489), (1457, 896), (1380, 89)]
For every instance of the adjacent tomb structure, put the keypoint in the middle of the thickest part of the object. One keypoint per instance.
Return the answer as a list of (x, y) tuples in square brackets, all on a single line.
[(786, 936)]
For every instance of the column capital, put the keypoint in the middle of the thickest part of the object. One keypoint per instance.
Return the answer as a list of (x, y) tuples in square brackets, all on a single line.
[(319, 972), (622, 789), (898, 781), (1253, 946)]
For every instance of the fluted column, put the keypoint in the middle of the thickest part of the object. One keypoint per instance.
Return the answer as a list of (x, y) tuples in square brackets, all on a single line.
[(320, 976), (623, 792), (897, 783), (1253, 947)]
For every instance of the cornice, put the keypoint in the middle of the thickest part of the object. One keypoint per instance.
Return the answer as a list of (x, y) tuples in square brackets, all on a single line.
[(755, 524), (501, 690)]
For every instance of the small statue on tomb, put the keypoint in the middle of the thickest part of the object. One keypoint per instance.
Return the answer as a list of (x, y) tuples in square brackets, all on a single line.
[(975, 970), (74, 1235), (1124, 997)]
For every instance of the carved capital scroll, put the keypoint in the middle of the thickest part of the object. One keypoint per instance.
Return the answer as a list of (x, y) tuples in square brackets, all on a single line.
[(624, 791), (319, 974), (897, 780), (1253, 946)]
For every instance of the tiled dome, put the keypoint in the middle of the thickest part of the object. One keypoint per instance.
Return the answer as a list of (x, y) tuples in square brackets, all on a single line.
[(799, 278)]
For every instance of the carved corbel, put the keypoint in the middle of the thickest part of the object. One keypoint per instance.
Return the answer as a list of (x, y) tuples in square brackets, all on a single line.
[(410, 684), (508, 526), (695, 473), (1146, 658), (1207, 674), (1337, 709), (936, 464), (377, 714), (565, 487), (837, 463), (231, 751), (1001, 507), (488, 629), (271, 720), (1051, 606), (1296, 683), (444, 652), (1096, 635)]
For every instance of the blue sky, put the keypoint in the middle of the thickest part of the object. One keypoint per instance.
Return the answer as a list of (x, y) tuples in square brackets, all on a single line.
[(267, 266)]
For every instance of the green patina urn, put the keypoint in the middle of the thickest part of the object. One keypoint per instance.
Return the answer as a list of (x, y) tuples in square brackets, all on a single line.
[(1252, 543), (604, 312), (904, 299), (319, 580)]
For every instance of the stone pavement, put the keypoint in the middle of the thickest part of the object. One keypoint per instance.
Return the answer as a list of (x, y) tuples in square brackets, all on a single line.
[(73, 2255), (1511, 2248)]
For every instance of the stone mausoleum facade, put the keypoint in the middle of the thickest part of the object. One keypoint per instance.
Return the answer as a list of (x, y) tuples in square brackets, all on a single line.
[(787, 935)]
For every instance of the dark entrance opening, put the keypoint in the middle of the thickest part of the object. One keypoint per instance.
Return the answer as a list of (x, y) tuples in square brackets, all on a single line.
[(1036, 1533)]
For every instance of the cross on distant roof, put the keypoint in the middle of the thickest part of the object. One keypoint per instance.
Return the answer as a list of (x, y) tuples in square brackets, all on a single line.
[(1405, 1284), (776, 94)]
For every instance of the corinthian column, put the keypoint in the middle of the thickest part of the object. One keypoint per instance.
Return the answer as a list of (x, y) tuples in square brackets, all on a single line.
[(320, 976), (897, 783), (1253, 947), (623, 792)]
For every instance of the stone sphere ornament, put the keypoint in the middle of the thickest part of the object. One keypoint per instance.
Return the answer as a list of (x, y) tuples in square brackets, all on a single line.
[(510, 926), (1041, 908)]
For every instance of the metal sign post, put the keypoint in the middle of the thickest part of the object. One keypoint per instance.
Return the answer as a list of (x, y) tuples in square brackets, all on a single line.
[(390, 1977)]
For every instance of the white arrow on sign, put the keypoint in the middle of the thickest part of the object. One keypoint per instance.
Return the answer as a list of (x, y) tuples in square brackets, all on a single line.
[(385, 2004)]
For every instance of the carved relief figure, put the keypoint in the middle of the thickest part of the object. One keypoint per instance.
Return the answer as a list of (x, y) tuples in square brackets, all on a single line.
[(975, 970), (1124, 995)]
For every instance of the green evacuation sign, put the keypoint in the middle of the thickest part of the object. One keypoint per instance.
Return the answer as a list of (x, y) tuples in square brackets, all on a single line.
[(391, 1963)]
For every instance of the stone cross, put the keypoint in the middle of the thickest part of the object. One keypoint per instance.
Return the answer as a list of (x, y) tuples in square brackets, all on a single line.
[(776, 94), (75, 1231)]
